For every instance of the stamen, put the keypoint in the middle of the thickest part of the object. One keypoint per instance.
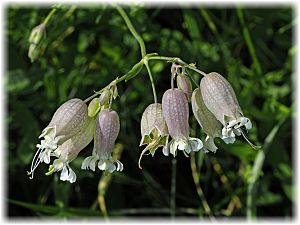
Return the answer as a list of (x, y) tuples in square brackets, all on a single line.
[(252, 145), (35, 162)]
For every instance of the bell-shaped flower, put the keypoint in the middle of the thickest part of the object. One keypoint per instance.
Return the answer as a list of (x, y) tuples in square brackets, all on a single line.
[(106, 133), (185, 85), (69, 150), (210, 125), (176, 113), (67, 121), (220, 99), (154, 129)]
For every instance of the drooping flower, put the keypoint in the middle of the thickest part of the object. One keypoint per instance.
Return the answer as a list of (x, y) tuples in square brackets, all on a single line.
[(220, 99), (176, 113), (106, 133), (70, 118), (69, 150), (211, 126), (154, 129)]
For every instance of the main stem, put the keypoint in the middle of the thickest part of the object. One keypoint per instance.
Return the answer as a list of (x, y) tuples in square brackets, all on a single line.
[(132, 30)]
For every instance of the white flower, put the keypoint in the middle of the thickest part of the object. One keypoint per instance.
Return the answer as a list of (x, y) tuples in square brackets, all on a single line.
[(106, 133), (176, 114), (210, 125), (154, 130), (66, 122), (69, 150), (220, 99)]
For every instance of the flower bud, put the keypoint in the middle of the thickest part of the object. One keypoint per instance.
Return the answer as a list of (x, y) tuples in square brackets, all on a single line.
[(185, 85), (36, 47), (220, 99), (106, 133), (93, 107), (176, 113), (210, 125), (104, 97)]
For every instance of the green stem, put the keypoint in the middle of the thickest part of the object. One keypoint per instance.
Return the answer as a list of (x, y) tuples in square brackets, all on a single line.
[(151, 80), (173, 189), (51, 13), (115, 81), (132, 30), (177, 60)]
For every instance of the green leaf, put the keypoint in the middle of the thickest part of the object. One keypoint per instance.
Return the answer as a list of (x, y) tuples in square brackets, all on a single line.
[(268, 199), (134, 71)]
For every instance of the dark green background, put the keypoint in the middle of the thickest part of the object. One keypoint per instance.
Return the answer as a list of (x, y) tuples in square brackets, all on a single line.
[(88, 47)]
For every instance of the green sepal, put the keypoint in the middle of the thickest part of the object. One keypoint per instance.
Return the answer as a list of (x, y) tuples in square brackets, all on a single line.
[(154, 140)]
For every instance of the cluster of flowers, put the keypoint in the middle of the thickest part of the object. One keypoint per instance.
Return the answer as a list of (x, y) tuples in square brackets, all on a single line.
[(214, 105), (75, 124), (72, 128)]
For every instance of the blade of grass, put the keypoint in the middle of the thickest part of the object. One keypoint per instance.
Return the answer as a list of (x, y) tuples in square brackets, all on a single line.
[(196, 178), (249, 41), (256, 171)]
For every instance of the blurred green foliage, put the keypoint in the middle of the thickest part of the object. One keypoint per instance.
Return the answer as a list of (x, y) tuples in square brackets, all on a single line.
[(88, 47)]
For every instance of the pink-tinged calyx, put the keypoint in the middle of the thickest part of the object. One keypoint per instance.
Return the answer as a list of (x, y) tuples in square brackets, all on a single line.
[(68, 120), (106, 133), (210, 125), (154, 130), (176, 113), (185, 85), (220, 99)]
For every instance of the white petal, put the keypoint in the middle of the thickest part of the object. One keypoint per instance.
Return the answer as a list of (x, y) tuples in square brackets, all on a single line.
[(232, 123), (188, 148), (228, 140), (86, 162), (46, 156), (58, 164), (111, 167), (92, 163), (196, 143), (173, 147), (166, 149), (248, 125), (64, 174), (72, 176), (209, 144), (182, 144), (119, 165), (102, 165)]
